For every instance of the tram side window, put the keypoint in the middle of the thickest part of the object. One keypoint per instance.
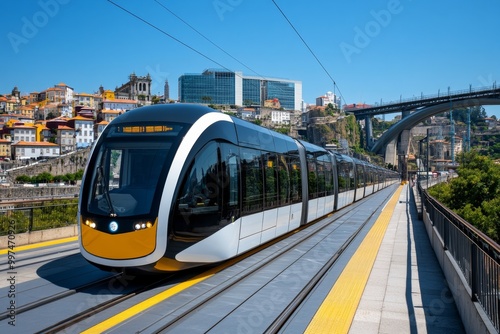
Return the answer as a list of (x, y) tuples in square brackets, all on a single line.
[(328, 171), (283, 181), (229, 181), (368, 177), (320, 175), (360, 176), (325, 175), (344, 176), (312, 177), (251, 181), (270, 184), (295, 179), (198, 203)]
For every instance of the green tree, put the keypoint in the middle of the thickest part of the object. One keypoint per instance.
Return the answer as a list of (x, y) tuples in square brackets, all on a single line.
[(23, 179), (43, 178), (155, 99), (331, 110), (475, 193)]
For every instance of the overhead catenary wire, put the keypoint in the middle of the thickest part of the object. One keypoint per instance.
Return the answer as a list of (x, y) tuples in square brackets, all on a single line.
[(206, 38), (168, 35), (310, 50), (185, 44), (214, 44)]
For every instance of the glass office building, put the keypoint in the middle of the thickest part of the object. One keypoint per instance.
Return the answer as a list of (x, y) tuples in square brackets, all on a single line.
[(232, 88)]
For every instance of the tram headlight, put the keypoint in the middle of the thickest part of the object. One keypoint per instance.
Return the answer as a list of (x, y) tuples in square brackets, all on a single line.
[(143, 225), (90, 223), (113, 226)]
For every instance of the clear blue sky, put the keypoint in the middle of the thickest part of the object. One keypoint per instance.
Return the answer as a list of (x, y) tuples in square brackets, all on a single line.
[(374, 50)]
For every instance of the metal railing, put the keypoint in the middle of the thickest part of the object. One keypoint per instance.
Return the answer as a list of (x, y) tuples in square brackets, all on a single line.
[(457, 99), (480, 91), (14, 220), (477, 256)]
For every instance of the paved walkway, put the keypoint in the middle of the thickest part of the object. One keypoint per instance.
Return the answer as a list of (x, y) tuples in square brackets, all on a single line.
[(406, 291)]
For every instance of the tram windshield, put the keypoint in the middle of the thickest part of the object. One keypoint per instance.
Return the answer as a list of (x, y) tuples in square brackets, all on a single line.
[(128, 168)]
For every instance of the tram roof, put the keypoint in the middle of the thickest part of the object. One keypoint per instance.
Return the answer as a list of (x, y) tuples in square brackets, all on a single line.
[(174, 112)]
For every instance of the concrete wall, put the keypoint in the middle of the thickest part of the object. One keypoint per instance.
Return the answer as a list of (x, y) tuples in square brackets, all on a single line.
[(27, 238), (58, 166), (9, 194), (473, 317), (391, 156)]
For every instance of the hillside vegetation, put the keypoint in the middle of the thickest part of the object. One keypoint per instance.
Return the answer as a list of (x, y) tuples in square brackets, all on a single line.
[(475, 193)]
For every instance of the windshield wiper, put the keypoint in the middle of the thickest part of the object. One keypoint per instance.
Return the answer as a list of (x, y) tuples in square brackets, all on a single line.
[(104, 185)]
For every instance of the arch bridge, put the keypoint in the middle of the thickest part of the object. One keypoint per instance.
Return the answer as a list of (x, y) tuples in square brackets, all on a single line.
[(415, 111)]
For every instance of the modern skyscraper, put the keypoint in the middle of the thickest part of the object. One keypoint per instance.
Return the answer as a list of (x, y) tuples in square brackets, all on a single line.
[(166, 91), (232, 88)]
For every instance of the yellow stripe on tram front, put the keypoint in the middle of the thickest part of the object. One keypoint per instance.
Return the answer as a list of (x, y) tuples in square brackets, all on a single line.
[(339, 307)]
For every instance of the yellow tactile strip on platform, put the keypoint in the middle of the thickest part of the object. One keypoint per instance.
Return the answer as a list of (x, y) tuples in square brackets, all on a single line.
[(337, 311)]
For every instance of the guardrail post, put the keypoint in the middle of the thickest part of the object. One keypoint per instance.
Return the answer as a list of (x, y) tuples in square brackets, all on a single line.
[(446, 232), (474, 272), (30, 225)]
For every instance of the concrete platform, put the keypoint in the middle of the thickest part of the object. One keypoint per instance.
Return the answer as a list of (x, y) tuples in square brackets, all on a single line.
[(406, 291)]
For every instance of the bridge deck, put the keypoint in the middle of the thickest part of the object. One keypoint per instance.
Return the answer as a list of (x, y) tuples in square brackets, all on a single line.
[(428, 100)]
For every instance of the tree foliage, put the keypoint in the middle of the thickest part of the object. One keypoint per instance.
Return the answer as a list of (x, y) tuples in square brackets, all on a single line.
[(48, 178), (331, 110), (51, 215), (475, 194), (477, 115)]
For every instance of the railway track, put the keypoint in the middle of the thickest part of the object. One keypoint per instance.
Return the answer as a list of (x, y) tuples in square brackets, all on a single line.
[(182, 317), (32, 258), (75, 319), (260, 290)]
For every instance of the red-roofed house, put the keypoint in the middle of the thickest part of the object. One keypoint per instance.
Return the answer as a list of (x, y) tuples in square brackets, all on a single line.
[(100, 127), (356, 106), (84, 130), (10, 105), (55, 94), (34, 150), (3, 103), (66, 138), (54, 123), (84, 111), (119, 104), (5, 148), (27, 111), (109, 115), (22, 133)]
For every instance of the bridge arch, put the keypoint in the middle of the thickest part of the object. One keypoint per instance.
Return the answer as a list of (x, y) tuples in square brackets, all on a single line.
[(423, 113)]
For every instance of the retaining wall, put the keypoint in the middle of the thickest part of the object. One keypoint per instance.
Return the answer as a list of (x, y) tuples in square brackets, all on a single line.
[(473, 317), (27, 238)]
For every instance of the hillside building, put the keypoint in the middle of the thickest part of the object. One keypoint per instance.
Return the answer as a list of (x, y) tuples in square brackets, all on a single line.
[(137, 88)]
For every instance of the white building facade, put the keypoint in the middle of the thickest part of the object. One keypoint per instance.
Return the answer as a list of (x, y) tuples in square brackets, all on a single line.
[(23, 133), (34, 150), (84, 131)]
